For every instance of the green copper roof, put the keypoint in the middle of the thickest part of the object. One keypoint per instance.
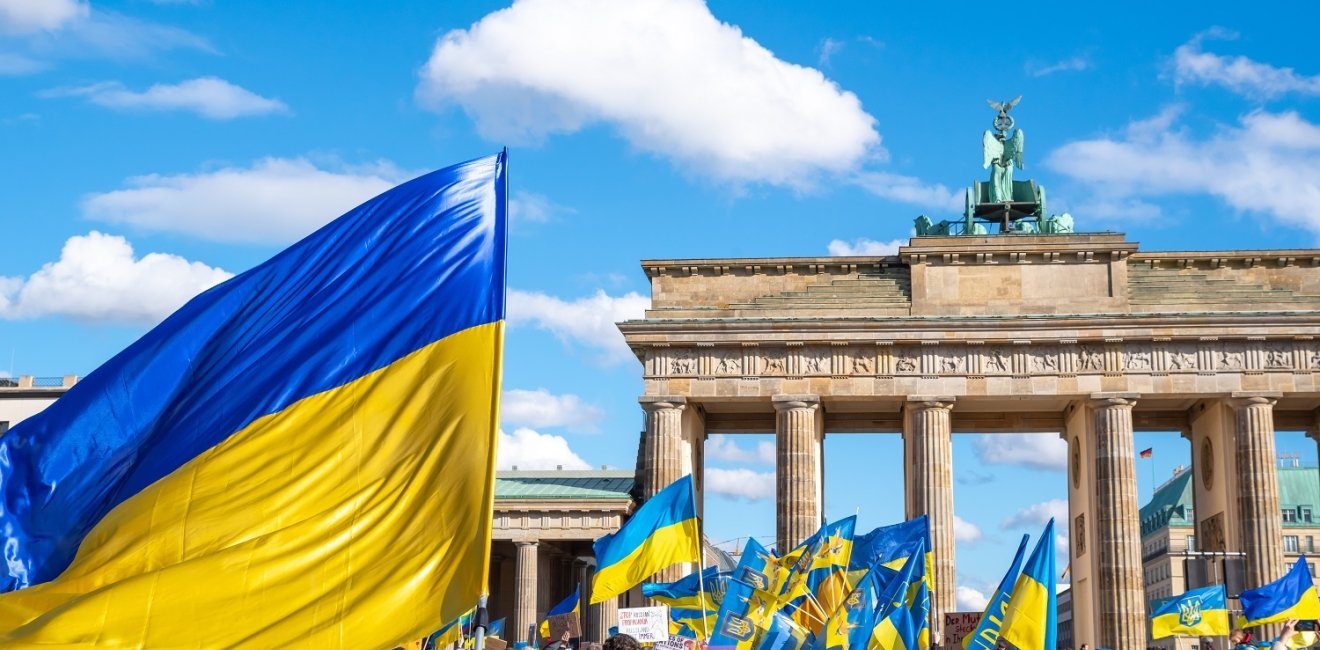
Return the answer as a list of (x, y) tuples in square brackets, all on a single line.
[(564, 484), (1172, 503)]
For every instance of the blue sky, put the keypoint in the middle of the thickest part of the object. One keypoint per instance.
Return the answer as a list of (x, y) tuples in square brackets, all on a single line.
[(152, 148)]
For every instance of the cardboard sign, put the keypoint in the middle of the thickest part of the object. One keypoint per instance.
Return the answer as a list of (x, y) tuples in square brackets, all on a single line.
[(956, 626), (561, 623), (493, 643), (676, 642), (646, 624)]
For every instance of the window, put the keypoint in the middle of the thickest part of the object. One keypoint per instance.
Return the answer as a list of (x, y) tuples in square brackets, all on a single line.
[(1289, 516), (1290, 544), (1311, 566), (1310, 544), (1304, 514)]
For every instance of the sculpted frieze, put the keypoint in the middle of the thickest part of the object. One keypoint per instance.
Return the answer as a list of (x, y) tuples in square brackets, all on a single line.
[(993, 359)]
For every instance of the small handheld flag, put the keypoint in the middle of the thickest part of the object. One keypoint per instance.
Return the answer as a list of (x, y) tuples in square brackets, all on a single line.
[(1199, 612), (662, 532), (570, 605), (986, 633), (1029, 621)]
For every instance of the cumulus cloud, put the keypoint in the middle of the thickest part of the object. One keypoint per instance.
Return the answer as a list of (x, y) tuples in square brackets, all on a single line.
[(908, 189), (965, 531), (529, 207), (276, 200), (585, 321), (541, 408), (1267, 164), (27, 16), (667, 75), (1239, 74), (1036, 450), (743, 484), (529, 449), (98, 278), (209, 97), (1039, 514), (864, 247), (1070, 64), (722, 447), (971, 600)]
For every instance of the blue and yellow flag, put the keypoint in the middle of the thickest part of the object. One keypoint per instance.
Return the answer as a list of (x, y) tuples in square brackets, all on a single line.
[(570, 605), (986, 633), (662, 532), (300, 456), (1199, 612), (1292, 596), (782, 633), (895, 627), (887, 544), (749, 601), (496, 630), (693, 591), (1029, 621)]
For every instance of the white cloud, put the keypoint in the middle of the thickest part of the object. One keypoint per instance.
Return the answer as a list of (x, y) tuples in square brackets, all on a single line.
[(209, 97), (97, 278), (1071, 64), (828, 48), (965, 531), (586, 321), (911, 190), (1039, 514), (1037, 450), (276, 200), (971, 600), (26, 16), (541, 408), (743, 484), (1268, 164), (722, 447), (1238, 74), (529, 207), (98, 34), (529, 449), (864, 247), (666, 74)]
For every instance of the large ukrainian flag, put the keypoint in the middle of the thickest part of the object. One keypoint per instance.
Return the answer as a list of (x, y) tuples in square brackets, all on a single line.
[(1198, 612), (1292, 596), (299, 457), (1029, 619)]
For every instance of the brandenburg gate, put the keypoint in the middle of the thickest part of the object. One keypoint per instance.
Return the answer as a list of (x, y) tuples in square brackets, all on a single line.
[(1080, 334), (1034, 328)]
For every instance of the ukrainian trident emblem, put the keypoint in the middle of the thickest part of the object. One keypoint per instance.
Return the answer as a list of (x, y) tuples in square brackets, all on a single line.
[(1189, 612)]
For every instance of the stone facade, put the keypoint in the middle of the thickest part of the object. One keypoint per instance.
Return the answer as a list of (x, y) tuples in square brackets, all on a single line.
[(1083, 335)]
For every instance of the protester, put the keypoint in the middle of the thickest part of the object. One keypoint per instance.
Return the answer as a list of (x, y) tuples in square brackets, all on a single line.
[(1289, 629), (561, 644), (621, 642), (1239, 639)]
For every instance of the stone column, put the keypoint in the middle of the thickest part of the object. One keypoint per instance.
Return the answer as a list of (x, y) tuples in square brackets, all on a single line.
[(928, 448), (799, 471), (662, 462), (524, 603), (1259, 521), (1120, 601)]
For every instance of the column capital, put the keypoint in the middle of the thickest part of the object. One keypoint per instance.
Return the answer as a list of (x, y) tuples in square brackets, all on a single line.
[(525, 542), (1113, 400), (792, 402), (662, 402), (1240, 399), (926, 402)]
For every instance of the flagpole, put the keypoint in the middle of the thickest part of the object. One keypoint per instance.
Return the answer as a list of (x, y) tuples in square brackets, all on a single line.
[(701, 567), (479, 625)]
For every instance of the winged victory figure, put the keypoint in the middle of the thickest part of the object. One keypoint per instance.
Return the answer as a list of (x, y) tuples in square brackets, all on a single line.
[(1002, 151)]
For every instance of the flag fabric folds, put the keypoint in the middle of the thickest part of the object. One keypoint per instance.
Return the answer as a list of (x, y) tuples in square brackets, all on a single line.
[(687, 592), (1292, 596), (986, 633), (496, 630), (570, 605), (897, 626), (749, 600), (300, 456), (1198, 612), (662, 532), (1029, 621)]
